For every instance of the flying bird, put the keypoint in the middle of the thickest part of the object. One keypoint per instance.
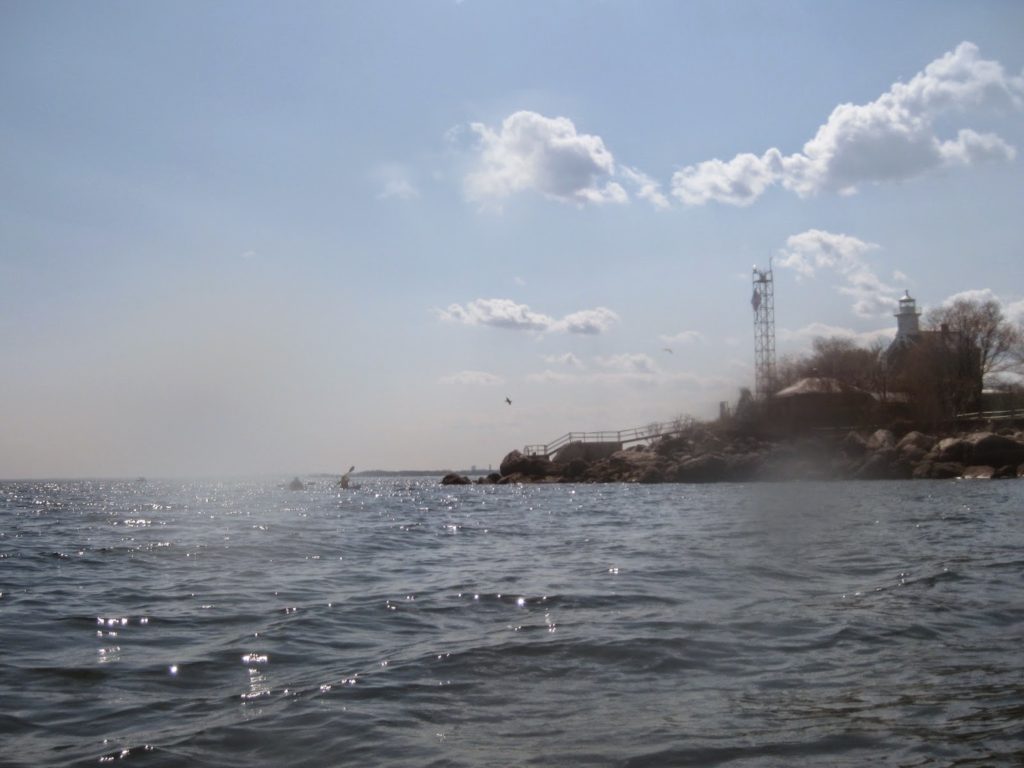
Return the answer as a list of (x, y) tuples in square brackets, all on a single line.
[(668, 349), (508, 399)]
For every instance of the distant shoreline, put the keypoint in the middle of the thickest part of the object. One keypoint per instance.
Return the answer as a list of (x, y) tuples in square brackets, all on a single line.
[(410, 473)]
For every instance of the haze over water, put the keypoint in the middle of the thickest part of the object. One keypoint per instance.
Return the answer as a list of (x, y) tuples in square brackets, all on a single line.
[(405, 623)]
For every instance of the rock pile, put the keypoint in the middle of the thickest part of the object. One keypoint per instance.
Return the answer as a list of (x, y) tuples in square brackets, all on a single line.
[(706, 457)]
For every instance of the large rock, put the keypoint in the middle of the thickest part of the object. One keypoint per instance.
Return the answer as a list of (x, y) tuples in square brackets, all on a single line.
[(854, 445), (574, 470), (515, 463), (918, 441), (952, 449), (879, 466), (995, 450), (651, 474), (881, 438), (978, 472), (586, 451), (453, 479), (938, 470), (708, 468)]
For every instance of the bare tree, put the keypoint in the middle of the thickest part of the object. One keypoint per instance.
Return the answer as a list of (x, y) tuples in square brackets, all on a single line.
[(980, 329)]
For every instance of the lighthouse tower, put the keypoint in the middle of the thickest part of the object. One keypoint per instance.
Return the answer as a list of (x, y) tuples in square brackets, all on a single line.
[(906, 319)]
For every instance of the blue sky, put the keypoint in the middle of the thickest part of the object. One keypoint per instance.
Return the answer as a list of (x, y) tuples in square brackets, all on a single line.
[(269, 237)]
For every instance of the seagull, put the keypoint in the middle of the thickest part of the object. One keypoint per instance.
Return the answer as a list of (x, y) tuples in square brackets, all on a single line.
[(667, 349), (508, 399)]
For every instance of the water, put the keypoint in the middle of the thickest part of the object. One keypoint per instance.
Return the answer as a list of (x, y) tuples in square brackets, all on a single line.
[(409, 624)]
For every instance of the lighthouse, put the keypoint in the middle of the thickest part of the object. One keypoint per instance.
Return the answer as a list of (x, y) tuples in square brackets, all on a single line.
[(906, 319)]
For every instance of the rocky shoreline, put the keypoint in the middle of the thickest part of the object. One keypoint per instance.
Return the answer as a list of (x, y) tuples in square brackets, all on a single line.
[(703, 456)]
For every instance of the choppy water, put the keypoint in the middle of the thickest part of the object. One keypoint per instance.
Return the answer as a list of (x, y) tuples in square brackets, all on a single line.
[(407, 624)]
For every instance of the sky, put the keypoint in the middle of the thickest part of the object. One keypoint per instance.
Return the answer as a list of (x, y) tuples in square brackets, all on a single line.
[(243, 238)]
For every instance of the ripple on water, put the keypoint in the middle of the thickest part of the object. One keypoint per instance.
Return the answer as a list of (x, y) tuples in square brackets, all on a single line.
[(236, 623)]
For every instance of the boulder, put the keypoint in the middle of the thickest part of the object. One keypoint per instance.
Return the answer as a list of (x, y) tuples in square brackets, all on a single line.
[(938, 470), (916, 440), (669, 446), (1005, 473), (574, 470), (454, 479), (977, 472), (952, 449), (995, 450), (881, 438), (744, 466), (911, 455), (878, 466), (854, 444), (652, 474), (515, 463), (708, 468)]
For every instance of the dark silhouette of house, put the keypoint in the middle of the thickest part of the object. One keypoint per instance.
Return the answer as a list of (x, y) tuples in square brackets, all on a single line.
[(818, 402)]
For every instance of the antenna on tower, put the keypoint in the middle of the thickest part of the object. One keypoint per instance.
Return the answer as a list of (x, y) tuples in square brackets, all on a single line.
[(763, 302)]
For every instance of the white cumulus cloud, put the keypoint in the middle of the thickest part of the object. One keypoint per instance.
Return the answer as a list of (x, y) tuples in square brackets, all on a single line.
[(506, 313), (588, 321), (500, 313), (891, 138), (1015, 311), (646, 188), (845, 255), (739, 181), (546, 154)]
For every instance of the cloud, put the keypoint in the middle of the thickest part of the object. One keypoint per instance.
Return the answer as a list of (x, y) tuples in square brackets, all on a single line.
[(738, 182), (647, 188), (399, 189), (684, 337), (972, 294), (637, 363), (823, 330), (475, 378), (506, 313), (627, 369), (394, 182), (499, 313), (533, 152), (589, 322), (549, 377), (567, 359), (814, 250), (1015, 312), (889, 139)]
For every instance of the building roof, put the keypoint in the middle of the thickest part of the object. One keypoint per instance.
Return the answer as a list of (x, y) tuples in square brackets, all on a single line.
[(820, 385)]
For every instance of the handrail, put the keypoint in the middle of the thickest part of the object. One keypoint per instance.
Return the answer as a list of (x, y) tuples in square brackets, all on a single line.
[(631, 435), (1007, 414)]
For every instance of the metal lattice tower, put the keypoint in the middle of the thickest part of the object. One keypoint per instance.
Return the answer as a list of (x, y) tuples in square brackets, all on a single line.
[(763, 302)]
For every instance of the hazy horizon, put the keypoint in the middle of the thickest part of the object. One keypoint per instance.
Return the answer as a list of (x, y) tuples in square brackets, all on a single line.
[(238, 238)]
